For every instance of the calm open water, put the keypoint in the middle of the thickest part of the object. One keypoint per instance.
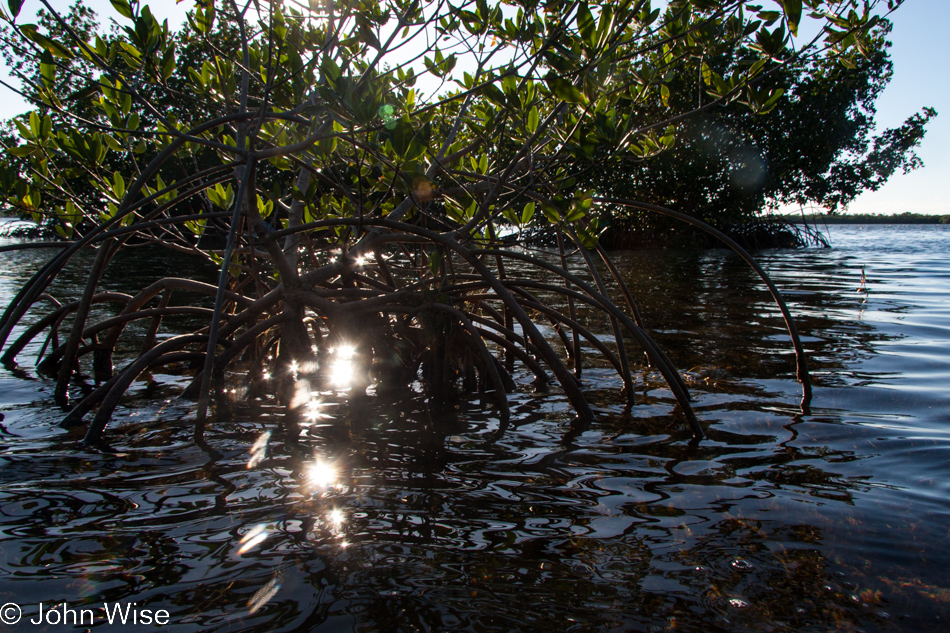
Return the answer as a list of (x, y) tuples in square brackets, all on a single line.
[(400, 515)]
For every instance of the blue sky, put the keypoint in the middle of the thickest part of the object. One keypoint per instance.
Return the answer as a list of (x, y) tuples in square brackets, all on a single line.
[(920, 80)]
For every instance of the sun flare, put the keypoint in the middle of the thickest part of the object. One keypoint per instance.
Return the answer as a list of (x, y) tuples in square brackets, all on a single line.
[(322, 474), (342, 369)]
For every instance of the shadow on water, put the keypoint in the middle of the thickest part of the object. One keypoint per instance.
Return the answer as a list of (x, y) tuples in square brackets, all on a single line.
[(393, 513)]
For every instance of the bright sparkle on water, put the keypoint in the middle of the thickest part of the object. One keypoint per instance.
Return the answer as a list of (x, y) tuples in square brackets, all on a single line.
[(341, 369), (263, 595), (314, 410), (259, 450), (335, 520), (336, 517), (322, 474), (254, 537)]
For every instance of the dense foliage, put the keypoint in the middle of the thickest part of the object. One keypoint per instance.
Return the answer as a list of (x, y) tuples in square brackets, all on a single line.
[(816, 147), (359, 170)]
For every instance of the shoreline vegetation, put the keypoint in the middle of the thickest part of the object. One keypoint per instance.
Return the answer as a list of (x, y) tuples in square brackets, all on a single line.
[(776, 231), (867, 218)]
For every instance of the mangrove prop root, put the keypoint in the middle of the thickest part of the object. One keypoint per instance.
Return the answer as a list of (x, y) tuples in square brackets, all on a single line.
[(800, 357), (406, 296)]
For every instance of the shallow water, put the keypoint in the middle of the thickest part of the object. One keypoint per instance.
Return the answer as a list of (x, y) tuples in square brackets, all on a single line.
[(778, 521)]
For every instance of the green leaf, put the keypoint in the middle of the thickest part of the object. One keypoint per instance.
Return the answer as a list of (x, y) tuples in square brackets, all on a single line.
[(494, 94), (586, 25), (15, 6), (528, 213), (533, 120), (606, 26), (265, 208), (197, 227), (25, 131), (401, 136), (367, 35), (46, 127), (204, 18), (22, 150), (563, 89), (112, 143), (122, 7), (71, 214), (578, 212), (48, 69), (216, 196), (772, 100), (453, 211), (55, 48), (793, 13), (330, 70), (168, 63), (416, 150), (118, 185)]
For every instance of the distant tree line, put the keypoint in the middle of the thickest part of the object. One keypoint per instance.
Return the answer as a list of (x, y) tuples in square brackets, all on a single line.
[(869, 218)]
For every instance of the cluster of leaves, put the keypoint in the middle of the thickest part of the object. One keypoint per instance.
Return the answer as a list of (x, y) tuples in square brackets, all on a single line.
[(816, 145), (601, 80), (372, 154)]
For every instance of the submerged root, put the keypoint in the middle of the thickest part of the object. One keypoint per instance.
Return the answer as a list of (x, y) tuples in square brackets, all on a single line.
[(388, 306)]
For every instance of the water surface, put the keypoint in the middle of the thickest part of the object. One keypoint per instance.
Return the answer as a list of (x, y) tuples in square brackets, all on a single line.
[(399, 514)]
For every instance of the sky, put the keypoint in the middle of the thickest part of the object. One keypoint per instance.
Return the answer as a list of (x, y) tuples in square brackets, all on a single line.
[(920, 80)]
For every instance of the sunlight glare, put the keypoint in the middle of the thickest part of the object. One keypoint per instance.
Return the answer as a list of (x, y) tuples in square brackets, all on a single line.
[(341, 369), (259, 450), (314, 410), (263, 595), (322, 474), (254, 537), (336, 518)]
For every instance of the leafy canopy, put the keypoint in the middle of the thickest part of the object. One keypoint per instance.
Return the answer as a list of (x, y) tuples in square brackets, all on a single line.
[(484, 107), (816, 146), (354, 166)]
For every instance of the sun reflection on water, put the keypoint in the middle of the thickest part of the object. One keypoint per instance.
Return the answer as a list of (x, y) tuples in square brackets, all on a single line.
[(336, 517), (254, 537), (314, 410), (263, 595), (322, 474), (342, 370), (259, 450)]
